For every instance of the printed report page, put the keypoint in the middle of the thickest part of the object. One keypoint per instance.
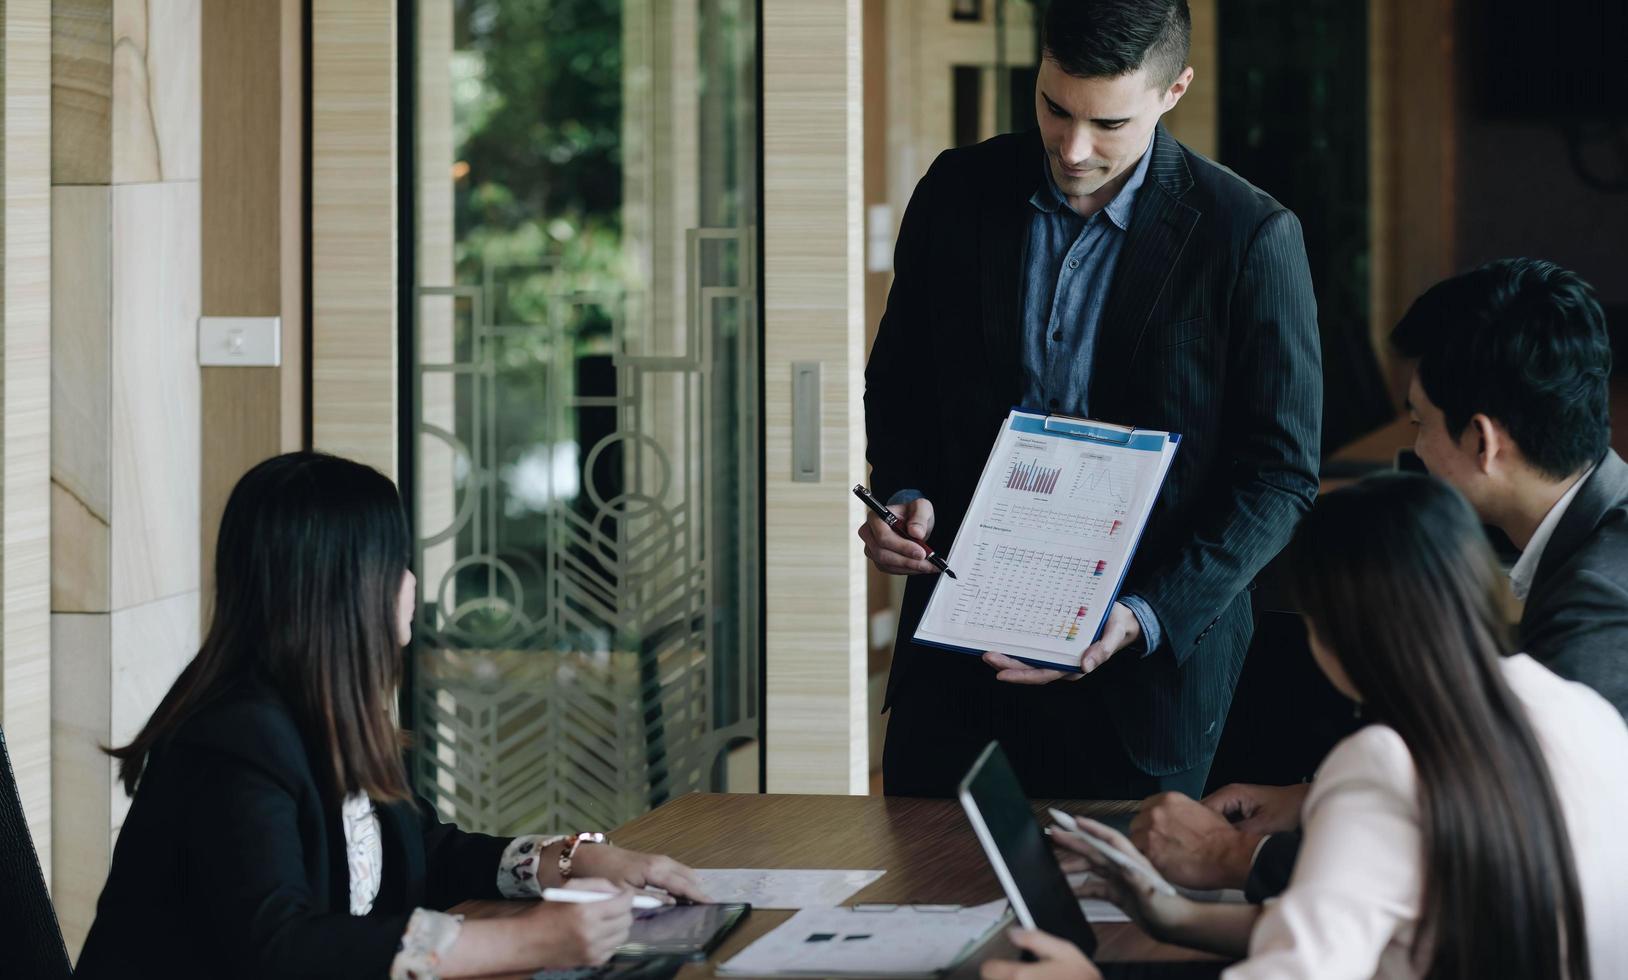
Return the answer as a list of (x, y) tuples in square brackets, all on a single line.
[(1047, 539)]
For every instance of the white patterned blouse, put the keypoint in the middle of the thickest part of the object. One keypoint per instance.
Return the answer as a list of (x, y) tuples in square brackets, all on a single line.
[(429, 933)]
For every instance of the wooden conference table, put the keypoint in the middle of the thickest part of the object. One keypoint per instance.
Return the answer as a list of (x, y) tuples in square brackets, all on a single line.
[(925, 846)]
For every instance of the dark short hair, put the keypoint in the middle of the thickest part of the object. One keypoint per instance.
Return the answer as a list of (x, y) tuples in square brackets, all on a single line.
[(1523, 342), (1108, 38)]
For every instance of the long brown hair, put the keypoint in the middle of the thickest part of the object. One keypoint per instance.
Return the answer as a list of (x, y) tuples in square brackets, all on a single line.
[(308, 569), (1397, 579)]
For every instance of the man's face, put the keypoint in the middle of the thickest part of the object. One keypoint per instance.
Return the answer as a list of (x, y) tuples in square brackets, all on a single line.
[(1454, 459), (1095, 129)]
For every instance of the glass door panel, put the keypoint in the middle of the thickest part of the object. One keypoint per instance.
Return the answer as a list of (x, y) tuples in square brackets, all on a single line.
[(584, 407)]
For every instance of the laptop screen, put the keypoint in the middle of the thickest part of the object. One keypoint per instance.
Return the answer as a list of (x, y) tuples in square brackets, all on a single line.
[(1019, 853)]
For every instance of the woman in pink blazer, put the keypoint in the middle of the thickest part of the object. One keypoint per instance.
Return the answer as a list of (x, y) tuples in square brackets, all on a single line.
[(1472, 830)]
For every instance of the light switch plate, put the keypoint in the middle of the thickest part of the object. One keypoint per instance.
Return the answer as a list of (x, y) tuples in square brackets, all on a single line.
[(240, 341)]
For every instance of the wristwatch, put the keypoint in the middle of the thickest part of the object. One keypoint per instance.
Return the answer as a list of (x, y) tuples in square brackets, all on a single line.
[(569, 851)]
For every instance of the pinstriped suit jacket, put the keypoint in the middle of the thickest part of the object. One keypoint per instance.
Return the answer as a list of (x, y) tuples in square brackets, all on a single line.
[(1210, 330)]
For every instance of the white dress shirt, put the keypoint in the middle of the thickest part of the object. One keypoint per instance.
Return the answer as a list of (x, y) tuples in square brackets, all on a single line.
[(1526, 567), (1352, 906)]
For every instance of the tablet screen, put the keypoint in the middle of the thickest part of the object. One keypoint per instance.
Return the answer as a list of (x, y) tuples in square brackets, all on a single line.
[(1019, 853), (685, 930)]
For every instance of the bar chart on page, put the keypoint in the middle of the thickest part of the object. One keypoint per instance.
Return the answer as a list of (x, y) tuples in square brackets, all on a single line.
[(1033, 477)]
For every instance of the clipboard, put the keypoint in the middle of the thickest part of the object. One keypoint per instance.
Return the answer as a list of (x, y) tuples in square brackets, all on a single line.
[(1048, 538)]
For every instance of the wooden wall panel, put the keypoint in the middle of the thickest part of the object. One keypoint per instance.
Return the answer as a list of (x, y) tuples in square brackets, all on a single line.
[(252, 223), (1196, 119), (294, 396), (155, 420), (126, 393), (81, 91), (25, 407), (155, 90), (81, 398), (354, 229), (242, 124), (815, 711), (1412, 133)]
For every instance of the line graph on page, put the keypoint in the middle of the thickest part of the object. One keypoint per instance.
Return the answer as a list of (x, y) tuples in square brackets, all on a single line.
[(1103, 481)]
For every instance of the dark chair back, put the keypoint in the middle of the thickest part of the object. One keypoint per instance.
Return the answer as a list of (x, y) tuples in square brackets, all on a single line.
[(34, 939)]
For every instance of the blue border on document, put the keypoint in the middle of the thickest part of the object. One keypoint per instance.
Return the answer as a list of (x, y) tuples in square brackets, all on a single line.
[(1045, 664)]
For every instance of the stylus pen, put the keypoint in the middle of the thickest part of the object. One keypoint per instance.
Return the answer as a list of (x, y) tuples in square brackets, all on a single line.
[(881, 510), (581, 896), (1067, 825)]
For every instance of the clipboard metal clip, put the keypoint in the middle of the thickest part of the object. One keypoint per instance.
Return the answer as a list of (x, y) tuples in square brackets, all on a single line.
[(1095, 431)]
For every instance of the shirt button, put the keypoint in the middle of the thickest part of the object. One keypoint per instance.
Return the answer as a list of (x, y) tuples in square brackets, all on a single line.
[(1057, 336), (1074, 264)]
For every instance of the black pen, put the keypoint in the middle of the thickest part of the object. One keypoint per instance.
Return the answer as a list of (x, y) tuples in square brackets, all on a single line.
[(881, 510)]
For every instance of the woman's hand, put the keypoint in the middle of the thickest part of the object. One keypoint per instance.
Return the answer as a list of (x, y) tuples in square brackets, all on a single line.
[(1159, 915), (630, 869), (578, 934), (1056, 959)]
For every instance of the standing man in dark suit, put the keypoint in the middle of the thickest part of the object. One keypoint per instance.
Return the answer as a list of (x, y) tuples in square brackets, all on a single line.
[(1095, 268), (1511, 397)]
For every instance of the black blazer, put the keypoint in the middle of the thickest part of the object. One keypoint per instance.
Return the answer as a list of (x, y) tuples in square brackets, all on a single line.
[(1576, 616), (1210, 330), (232, 861)]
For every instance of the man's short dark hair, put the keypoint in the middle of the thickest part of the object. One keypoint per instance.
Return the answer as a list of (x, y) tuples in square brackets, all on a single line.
[(1109, 38), (1523, 342)]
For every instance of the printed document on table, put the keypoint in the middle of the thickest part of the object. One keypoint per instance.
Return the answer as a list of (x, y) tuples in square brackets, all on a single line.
[(796, 888), (870, 941), (1047, 539)]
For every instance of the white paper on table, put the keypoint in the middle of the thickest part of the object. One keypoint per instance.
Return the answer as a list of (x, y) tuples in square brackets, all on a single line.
[(798, 888), (897, 941)]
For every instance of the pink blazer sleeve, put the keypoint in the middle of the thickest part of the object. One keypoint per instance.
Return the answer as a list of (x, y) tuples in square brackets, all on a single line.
[(1351, 906)]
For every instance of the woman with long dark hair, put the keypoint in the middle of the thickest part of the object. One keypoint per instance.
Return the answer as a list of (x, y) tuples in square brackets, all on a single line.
[(1472, 830), (272, 831)]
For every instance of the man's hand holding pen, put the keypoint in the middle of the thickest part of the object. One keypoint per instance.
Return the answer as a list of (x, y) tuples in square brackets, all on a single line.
[(900, 553)]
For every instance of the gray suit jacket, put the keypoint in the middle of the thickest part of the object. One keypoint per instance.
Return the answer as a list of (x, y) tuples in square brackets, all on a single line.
[(1576, 621)]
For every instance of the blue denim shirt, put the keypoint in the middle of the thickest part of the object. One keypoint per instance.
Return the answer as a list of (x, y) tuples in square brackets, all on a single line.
[(1067, 270)]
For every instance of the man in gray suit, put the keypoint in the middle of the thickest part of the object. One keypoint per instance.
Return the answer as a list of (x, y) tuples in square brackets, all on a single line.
[(1510, 395)]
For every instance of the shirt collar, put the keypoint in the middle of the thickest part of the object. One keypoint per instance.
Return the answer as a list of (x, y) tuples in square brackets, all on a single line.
[(1049, 199), (1526, 567)]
